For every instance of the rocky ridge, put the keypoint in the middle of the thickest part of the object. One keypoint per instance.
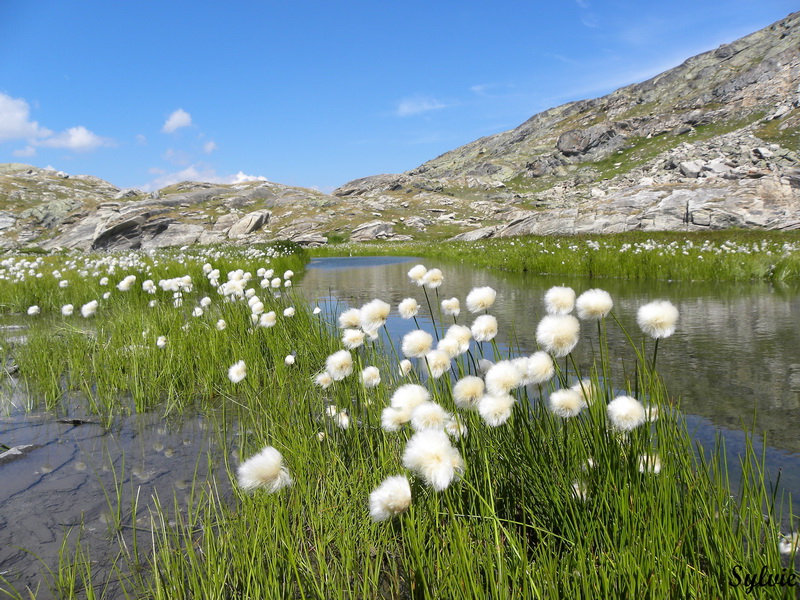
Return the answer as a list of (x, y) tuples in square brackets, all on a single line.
[(712, 143)]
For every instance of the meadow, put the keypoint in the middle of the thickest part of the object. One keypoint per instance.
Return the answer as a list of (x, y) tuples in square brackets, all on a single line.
[(432, 466)]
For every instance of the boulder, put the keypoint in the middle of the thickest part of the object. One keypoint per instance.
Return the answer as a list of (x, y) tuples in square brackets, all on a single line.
[(374, 230), (581, 141), (249, 223), (691, 168), (175, 234), (7, 220)]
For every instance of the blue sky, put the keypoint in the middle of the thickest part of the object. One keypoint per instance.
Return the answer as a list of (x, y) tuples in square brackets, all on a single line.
[(315, 93)]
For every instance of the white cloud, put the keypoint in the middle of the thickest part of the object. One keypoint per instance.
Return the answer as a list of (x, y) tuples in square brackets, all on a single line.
[(179, 118), (15, 123), (176, 157), (196, 172), (209, 146), (141, 139), (75, 138), (418, 104), (25, 152)]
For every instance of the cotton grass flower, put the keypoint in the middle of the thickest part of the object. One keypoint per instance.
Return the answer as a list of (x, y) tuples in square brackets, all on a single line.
[(502, 377), (417, 343), (393, 418), (350, 319), (205, 302), (495, 410), (462, 334), (409, 396), (161, 342), (625, 413), (585, 390), (370, 377), (429, 415), (67, 310), (594, 304), (408, 308), (323, 380), (264, 470), (352, 338), (237, 372), (649, 463), (657, 319), (450, 346), (565, 403), (417, 273), (197, 312), (34, 310), (289, 312), (316, 310), (559, 300), (405, 367), (221, 325), (539, 368), (484, 328), (430, 455), (373, 314), (339, 365), (451, 307), (89, 309), (438, 361), (433, 279), (789, 543), (558, 334), (289, 360), (455, 428), (481, 298), (268, 319), (468, 391), (127, 283), (390, 498)]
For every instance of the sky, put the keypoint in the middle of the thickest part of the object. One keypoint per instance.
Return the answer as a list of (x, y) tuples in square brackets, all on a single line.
[(317, 93)]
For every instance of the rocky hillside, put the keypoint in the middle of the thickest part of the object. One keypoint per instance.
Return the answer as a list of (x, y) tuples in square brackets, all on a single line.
[(712, 143)]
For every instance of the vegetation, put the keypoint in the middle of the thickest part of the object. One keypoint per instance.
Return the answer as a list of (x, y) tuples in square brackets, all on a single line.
[(545, 499)]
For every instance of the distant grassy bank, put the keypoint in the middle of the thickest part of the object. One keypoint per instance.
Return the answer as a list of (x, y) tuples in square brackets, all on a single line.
[(730, 255)]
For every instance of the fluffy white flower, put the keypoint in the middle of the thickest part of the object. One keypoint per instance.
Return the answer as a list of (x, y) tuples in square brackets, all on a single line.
[(451, 307), (416, 343), (125, 284), (161, 342), (405, 367), (350, 319), (221, 325), (558, 334), (393, 418), (88, 309), (390, 498), (316, 310), (484, 328), (197, 312), (565, 403), (352, 338), (205, 302), (559, 300), (408, 308), (288, 312), (370, 376), (429, 415), (268, 319), (323, 380), (625, 413), (237, 372), (63, 283), (495, 410), (67, 310), (462, 334), (585, 389), (265, 469), (409, 396), (438, 361), (502, 377), (433, 279), (450, 346), (430, 454), (289, 360), (468, 391), (658, 319), (288, 274), (374, 314), (34, 310), (339, 365), (481, 298), (417, 273), (594, 304), (649, 463)]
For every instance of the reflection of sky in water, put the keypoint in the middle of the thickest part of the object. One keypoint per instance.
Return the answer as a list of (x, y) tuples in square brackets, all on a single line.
[(735, 354)]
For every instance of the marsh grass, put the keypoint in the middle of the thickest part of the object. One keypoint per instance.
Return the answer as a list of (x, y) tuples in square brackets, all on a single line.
[(529, 518)]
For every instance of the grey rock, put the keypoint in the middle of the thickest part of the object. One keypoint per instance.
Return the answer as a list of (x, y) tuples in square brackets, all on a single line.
[(580, 141), (476, 234), (250, 223), (374, 230), (7, 220), (175, 234), (225, 222), (128, 193), (691, 168)]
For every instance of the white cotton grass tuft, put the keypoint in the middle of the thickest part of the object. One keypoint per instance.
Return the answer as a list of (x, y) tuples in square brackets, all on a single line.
[(289, 311), (449, 346), (316, 310), (390, 498), (468, 391), (484, 328), (438, 362), (161, 342), (649, 463), (502, 377), (484, 364), (408, 308), (433, 279), (264, 470), (127, 283), (268, 319), (451, 307), (625, 413), (405, 367), (197, 312), (67, 310), (565, 403), (789, 543), (352, 338), (34, 310), (495, 410), (373, 314), (657, 319), (221, 325), (594, 304), (393, 418), (455, 428), (350, 319), (558, 334), (237, 371), (559, 300), (429, 415), (371, 377), (586, 391), (409, 396), (89, 309), (430, 454), (462, 334), (417, 343), (323, 380), (481, 298), (417, 273), (289, 360), (339, 365)]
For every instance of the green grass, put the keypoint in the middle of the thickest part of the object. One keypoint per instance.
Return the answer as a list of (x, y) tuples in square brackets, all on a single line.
[(515, 525), (730, 255)]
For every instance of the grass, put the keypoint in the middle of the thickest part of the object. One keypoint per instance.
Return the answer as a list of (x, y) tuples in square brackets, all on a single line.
[(531, 516), (730, 255)]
